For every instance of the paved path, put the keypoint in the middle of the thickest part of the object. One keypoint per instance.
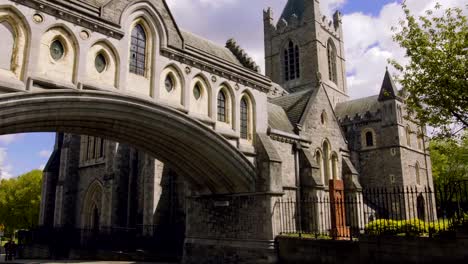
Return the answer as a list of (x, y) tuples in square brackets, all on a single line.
[(20, 261)]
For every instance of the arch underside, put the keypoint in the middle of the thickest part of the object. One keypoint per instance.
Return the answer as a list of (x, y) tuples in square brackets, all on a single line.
[(209, 162)]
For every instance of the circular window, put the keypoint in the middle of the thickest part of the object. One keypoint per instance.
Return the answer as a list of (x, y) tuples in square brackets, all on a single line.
[(169, 83), (57, 50), (197, 91), (100, 63)]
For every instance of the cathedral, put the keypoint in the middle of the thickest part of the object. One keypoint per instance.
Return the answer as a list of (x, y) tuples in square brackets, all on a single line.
[(295, 124)]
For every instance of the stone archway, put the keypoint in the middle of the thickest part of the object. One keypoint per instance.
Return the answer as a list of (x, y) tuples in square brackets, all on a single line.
[(208, 161), (92, 207)]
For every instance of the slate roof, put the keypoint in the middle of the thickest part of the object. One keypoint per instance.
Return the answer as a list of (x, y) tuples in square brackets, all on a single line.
[(358, 106), (296, 7), (278, 119), (209, 47), (96, 3), (388, 90), (294, 104)]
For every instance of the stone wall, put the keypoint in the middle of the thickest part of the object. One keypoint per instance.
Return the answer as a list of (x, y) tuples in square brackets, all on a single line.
[(230, 229), (373, 250)]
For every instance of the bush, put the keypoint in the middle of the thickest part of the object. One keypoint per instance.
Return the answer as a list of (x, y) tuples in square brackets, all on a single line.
[(412, 227)]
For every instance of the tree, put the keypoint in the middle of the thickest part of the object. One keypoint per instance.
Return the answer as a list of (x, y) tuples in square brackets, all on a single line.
[(449, 166), (435, 80), (20, 201)]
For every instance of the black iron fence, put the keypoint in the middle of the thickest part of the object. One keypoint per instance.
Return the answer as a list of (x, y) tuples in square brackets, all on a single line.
[(405, 211)]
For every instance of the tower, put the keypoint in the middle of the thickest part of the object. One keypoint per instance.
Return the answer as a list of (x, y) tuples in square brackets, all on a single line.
[(305, 47)]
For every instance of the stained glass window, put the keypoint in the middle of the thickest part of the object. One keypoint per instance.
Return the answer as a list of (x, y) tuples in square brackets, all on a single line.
[(331, 50), (222, 107), (244, 119), (138, 51)]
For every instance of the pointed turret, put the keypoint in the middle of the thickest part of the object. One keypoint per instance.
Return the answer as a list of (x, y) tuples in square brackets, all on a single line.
[(388, 90)]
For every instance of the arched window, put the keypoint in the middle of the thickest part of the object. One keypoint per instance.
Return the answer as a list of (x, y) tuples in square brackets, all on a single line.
[(418, 175), (222, 109), (138, 51), (408, 136), (244, 119), (334, 161), (420, 139), (369, 139), (331, 51), (323, 118), (326, 161), (319, 160), (7, 45), (291, 62)]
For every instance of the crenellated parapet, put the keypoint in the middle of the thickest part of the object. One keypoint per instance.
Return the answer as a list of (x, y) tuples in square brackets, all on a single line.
[(359, 118), (241, 55), (295, 21)]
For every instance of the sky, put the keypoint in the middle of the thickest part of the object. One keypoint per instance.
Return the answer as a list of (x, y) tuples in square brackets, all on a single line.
[(367, 37)]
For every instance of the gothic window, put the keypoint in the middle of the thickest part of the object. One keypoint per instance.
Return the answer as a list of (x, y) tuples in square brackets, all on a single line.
[(323, 117), (331, 50), (7, 44), (319, 160), (244, 118), (326, 161), (400, 114), (408, 136), (418, 176), (420, 139), (138, 51), (291, 62), (93, 148), (222, 115), (334, 161), (369, 139)]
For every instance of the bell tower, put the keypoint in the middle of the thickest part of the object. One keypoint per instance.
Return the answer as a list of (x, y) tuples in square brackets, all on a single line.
[(304, 47)]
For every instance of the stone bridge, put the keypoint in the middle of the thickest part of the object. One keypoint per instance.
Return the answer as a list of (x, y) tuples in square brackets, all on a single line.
[(212, 163)]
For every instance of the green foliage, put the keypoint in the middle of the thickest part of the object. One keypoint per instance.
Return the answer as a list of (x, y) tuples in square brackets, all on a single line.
[(435, 79), (412, 227), (20, 201), (449, 166)]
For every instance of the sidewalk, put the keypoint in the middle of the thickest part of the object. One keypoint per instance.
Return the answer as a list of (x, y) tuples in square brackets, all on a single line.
[(22, 261)]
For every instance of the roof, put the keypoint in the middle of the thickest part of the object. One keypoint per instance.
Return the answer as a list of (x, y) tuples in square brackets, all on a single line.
[(293, 7), (209, 47), (359, 106), (294, 104), (277, 119), (96, 3), (388, 90)]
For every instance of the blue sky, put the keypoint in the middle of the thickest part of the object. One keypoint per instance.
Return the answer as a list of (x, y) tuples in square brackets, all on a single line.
[(367, 37)]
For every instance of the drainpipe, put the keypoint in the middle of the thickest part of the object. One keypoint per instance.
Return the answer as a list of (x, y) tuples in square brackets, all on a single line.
[(296, 148)]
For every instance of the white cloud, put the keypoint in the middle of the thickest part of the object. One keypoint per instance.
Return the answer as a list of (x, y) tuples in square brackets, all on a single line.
[(8, 139), (369, 44), (368, 38), (5, 168), (44, 153)]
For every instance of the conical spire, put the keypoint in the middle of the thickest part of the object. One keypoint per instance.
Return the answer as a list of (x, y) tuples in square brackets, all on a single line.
[(294, 7), (388, 90)]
